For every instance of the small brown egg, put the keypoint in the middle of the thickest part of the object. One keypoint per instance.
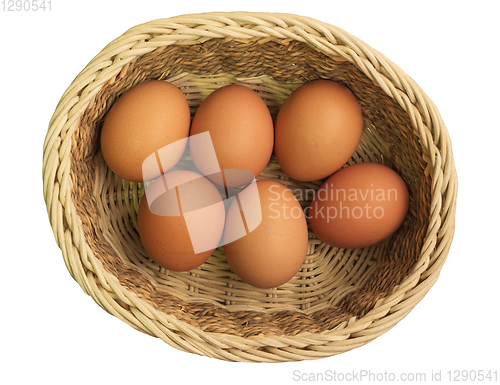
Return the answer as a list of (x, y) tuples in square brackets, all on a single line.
[(266, 237), (181, 220), (145, 119), (318, 128), (359, 206), (241, 130)]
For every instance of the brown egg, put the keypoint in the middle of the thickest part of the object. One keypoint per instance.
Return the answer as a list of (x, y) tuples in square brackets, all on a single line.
[(318, 129), (181, 220), (266, 237), (241, 130), (359, 206), (145, 119)]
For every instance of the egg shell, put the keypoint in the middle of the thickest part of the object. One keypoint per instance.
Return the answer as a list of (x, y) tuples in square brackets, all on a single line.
[(275, 250), (145, 119), (186, 214), (317, 130), (359, 206), (241, 130)]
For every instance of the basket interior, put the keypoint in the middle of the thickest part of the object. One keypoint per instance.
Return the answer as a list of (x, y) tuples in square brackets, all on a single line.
[(334, 285)]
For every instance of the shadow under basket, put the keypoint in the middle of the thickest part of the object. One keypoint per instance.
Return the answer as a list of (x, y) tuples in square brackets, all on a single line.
[(341, 298)]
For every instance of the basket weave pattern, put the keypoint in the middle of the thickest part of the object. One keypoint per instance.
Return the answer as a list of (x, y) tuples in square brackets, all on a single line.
[(341, 299)]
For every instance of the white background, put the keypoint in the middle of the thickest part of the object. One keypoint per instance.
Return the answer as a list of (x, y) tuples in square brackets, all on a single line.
[(52, 333)]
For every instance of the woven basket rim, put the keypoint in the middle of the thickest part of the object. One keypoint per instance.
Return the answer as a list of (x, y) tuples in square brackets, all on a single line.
[(329, 40)]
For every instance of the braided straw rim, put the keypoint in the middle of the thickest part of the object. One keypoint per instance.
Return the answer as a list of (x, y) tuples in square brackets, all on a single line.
[(104, 287)]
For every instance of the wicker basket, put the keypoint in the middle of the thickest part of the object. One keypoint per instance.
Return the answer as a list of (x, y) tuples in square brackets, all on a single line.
[(341, 299)]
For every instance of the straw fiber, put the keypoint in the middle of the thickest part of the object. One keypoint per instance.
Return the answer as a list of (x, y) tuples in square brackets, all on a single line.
[(341, 298)]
